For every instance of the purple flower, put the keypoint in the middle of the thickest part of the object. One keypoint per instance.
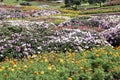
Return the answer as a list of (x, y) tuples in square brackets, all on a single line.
[(17, 48)]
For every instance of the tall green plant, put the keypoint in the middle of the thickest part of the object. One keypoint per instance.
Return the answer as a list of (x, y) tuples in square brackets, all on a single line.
[(70, 3), (96, 1)]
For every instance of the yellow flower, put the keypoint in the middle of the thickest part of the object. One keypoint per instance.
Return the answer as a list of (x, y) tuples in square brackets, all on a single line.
[(12, 70), (46, 60), (3, 67), (70, 78), (49, 68), (15, 66), (81, 68), (1, 70), (61, 60), (42, 72), (31, 61), (36, 72), (97, 55), (25, 66)]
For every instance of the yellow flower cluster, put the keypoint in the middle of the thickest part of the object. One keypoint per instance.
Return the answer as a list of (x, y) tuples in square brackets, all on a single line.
[(29, 8), (55, 64)]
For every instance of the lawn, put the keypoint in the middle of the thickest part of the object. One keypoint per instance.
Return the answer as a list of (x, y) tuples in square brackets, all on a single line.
[(34, 3)]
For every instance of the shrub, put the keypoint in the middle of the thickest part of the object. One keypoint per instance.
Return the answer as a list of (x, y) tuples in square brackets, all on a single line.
[(112, 35), (111, 3)]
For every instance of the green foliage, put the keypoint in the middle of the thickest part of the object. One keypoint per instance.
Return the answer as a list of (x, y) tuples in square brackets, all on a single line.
[(98, 74), (69, 66), (96, 1), (70, 3)]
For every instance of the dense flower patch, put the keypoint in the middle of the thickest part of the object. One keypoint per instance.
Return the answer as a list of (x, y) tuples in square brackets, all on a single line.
[(112, 35), (71, 22), (44, 12), (97, 23), (45, 36), (21, 14), (25, 23), (12, 13), (111, 3), (101, 63), (73, 39), (104, 22), (20, 41)]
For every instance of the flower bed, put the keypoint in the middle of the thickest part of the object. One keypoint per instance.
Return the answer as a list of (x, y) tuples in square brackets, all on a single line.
[(26, 24), (104, 22), (111, 3), (12, 13), (100, 63), (40, 37), (97, 11), (73, 39), (71, 22), (112, 35), (21, 14), (18, 39), (44, 12)]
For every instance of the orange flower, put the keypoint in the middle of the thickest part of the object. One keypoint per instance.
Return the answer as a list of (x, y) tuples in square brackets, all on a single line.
[(12, 62)]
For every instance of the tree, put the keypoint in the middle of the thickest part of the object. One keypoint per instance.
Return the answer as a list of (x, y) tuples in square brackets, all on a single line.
[(69, 3), (100, 2), (91, 1), (96, 1), (17, 0), (1, 1), (76, 3)]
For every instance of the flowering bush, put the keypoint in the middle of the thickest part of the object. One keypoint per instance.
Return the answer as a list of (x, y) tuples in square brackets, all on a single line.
[(12, 13), (21, 14), (20, 41), (112, 35), (72, 22), (111, 3), (26, 24), (104, 22), (44, 12), (73, 39), (35, 37)]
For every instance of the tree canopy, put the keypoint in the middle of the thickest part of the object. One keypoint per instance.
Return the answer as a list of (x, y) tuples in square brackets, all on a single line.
[(69, 3)]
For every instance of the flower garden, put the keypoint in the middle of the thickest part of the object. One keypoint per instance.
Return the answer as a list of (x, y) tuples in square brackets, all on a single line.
[(57, 44)]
